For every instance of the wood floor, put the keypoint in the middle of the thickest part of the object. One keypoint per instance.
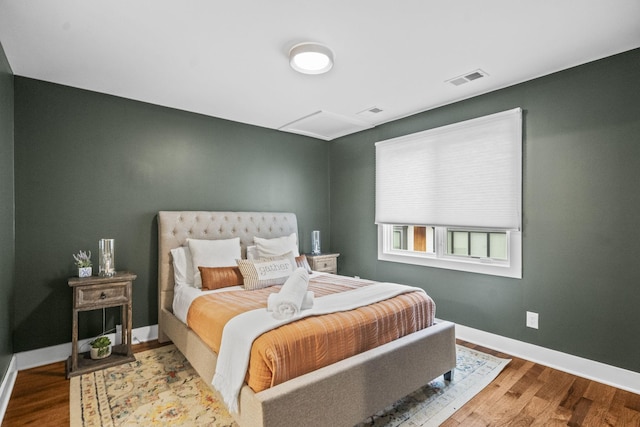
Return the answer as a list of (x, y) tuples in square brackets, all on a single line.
[(524, 394)]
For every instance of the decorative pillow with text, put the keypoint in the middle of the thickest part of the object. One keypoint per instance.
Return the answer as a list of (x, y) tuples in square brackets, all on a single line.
[(258, 274)]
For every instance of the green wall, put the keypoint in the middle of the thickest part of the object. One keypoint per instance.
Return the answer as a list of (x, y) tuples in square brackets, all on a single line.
[(7, 248), (91, 166), (581, 242)]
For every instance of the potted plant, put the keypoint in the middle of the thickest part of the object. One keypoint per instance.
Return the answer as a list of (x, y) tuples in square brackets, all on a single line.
[(83, 262), (100, 347)]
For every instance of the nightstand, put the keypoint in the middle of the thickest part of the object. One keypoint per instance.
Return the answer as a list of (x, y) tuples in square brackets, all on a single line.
[(93, 293), (327, 263)]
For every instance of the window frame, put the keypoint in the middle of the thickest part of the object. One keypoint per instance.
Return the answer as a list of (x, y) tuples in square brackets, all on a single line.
[(511, 267)]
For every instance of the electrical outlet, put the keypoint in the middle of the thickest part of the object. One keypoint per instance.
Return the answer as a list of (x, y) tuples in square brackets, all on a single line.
[(532, 320)]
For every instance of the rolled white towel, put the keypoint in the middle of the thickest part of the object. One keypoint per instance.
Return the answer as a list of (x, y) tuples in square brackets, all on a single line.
[(285, 310), (288, 302), (307, 302)]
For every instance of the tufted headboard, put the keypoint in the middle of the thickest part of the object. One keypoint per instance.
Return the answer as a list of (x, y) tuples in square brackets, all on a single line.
[(175, 227)]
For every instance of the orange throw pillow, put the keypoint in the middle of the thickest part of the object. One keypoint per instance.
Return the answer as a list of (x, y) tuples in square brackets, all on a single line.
[(220, 277)]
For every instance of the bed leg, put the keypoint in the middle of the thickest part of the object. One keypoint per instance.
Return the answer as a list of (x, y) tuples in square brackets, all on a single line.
[(162, 337), (448, 376)]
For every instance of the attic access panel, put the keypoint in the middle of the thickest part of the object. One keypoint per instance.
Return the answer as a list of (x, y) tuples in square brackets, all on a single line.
[(325, 125)]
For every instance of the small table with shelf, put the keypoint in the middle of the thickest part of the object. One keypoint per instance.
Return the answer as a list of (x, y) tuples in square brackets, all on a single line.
[(327, 263), (92, 293)]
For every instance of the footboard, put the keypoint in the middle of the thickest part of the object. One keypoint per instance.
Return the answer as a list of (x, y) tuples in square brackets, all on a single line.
[(344, 393), (351, 390)]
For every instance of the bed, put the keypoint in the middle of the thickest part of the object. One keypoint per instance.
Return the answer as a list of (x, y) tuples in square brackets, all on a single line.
[(343, 393)]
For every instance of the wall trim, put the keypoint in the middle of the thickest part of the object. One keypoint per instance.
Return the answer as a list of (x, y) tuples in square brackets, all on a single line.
[(586, 368), (44, 356), (6, 387)]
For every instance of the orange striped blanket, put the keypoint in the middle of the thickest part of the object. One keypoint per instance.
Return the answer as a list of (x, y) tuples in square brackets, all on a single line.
[(313, 342)]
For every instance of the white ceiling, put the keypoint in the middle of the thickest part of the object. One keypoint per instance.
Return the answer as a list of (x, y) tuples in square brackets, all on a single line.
[(229, 59)]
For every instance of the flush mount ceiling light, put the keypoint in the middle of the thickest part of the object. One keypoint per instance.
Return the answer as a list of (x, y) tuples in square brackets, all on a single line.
[(311, 58)]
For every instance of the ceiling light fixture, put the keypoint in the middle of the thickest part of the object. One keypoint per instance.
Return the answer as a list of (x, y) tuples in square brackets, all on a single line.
[(311, 58)]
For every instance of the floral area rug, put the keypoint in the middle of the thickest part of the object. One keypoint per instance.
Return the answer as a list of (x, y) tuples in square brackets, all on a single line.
[(161, 388)]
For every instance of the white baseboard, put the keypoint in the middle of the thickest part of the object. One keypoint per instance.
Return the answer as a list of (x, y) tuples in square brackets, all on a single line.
[(6, 387), (590, 369), (57, 353), (596, 371)]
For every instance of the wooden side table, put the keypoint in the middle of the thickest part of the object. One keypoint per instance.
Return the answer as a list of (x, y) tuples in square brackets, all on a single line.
[(327, 263), (93, 293)]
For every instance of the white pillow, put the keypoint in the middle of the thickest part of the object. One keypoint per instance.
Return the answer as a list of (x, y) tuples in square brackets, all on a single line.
[(212, 253), (277, 246), (252, 253), (182, 266)]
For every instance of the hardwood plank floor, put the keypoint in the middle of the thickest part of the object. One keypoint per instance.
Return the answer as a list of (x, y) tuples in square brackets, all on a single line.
[(40, 395), (524, 394)]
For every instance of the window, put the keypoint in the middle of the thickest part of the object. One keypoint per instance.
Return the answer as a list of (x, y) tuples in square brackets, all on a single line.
[(450, 197), (411, 238), (477, 244), (477, 251)]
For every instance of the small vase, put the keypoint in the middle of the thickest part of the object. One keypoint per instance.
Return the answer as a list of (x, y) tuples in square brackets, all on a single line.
[(100, 353), (84, 271)]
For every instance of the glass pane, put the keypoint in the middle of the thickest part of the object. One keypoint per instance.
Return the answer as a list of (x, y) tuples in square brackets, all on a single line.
[(400, 237), (397, 239), (479, 245), (419, 238), (460, 243), (431, 232), (498, 242)]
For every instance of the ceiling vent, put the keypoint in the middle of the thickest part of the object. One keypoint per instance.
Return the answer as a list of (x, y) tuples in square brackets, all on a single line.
[(467, 77), (370, 113), (326, 125)]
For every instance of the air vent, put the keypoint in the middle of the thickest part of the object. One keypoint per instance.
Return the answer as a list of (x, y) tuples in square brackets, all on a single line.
[(370, 113), (467, 77)]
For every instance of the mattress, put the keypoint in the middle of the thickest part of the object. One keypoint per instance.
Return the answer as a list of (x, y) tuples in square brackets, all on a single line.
[(314, 342)]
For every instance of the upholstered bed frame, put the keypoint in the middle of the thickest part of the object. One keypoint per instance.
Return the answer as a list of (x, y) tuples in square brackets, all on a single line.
[(344, 393)]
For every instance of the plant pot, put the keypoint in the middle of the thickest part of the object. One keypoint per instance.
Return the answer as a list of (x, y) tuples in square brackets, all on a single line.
[(100, 353), (85, 271)]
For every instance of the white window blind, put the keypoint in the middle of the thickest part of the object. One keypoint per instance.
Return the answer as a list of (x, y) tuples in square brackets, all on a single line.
[(467, 174)]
